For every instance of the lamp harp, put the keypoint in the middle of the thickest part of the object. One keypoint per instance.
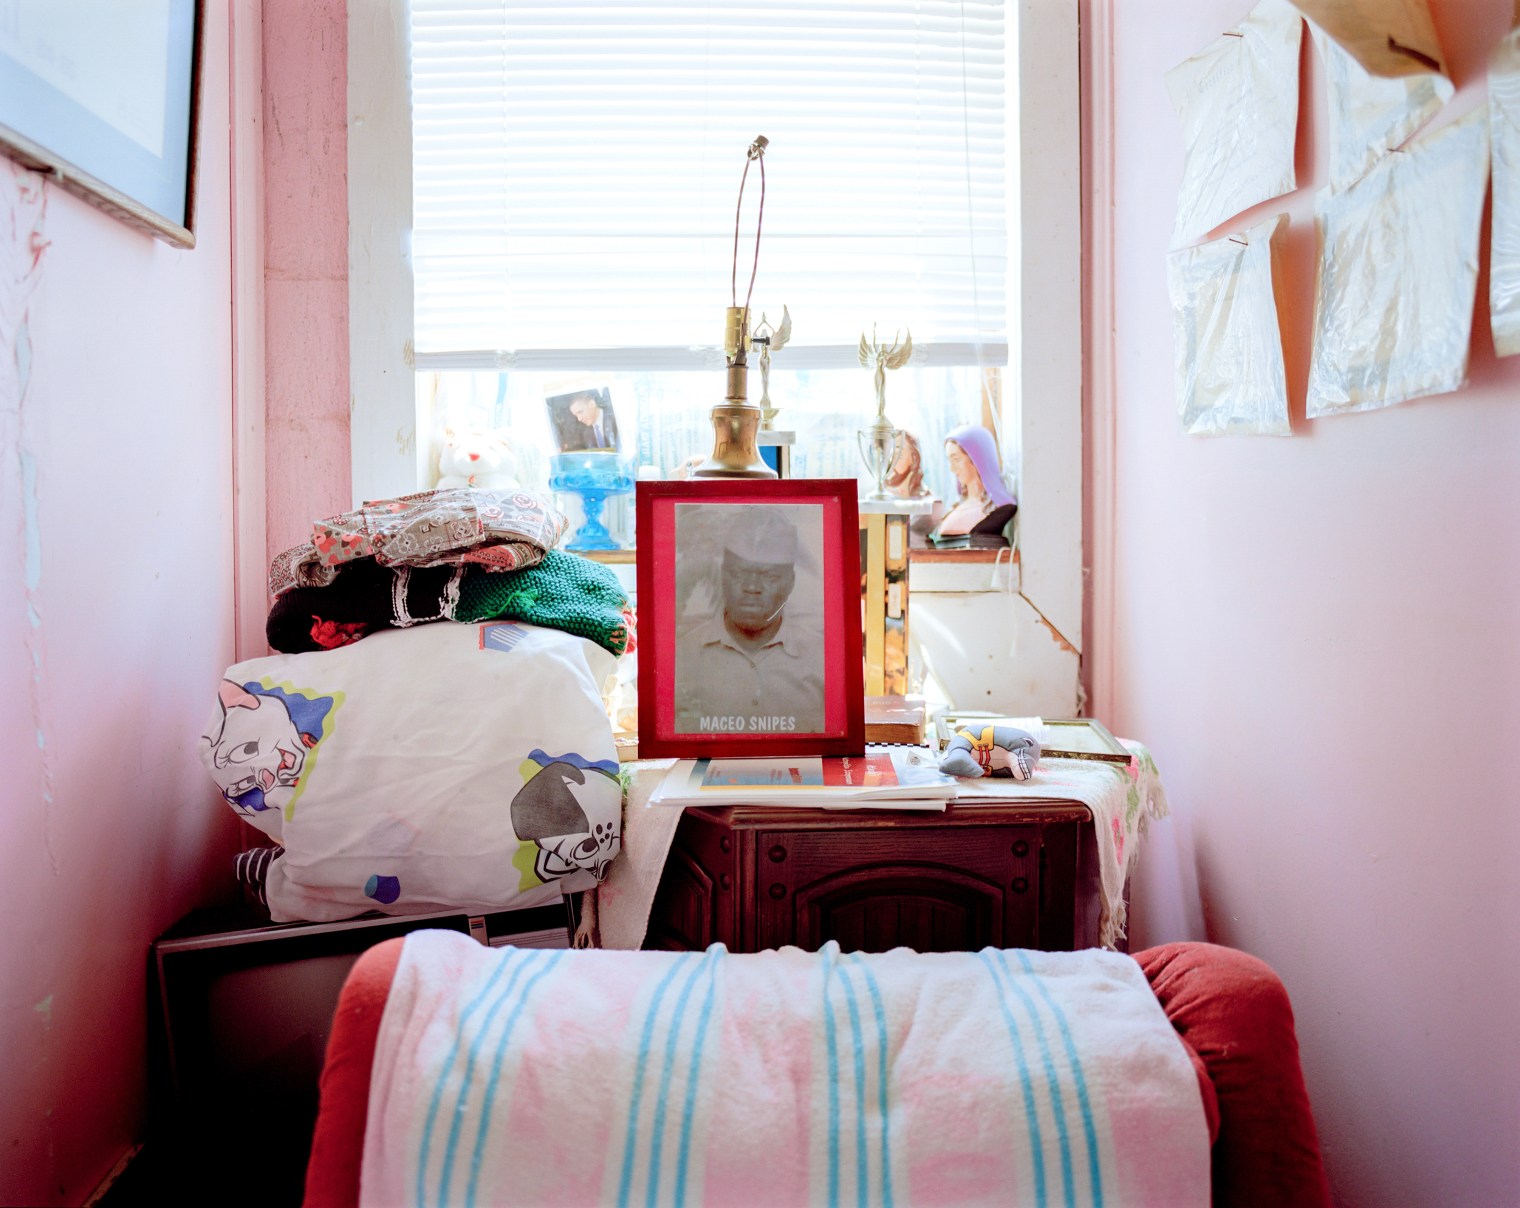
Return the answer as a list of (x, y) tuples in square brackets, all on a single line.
[(736, 420)]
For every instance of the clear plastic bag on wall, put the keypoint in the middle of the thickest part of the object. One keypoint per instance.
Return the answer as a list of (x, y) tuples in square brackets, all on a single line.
[(1228, 348), (1398, 272), (1238, 101)]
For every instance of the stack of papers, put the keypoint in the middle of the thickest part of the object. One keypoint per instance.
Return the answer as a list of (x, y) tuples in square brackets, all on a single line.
[(882, 778)]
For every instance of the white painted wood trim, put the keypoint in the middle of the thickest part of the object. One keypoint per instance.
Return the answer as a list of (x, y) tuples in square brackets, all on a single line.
[(250, 556), (1046, 371), (387, 456), (1102, 380), (969, 578)]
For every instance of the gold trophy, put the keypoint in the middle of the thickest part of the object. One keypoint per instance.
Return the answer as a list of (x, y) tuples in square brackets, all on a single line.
[(736, 420), (771, 339), (878, 443)]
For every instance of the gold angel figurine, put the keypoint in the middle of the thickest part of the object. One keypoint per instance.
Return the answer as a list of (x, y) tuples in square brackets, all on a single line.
[(878, 440), (771, 339), (874, 356)]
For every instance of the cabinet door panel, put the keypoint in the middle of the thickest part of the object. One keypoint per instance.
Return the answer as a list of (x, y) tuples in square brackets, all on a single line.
[(683, 916), (932, 890), (890, 907)]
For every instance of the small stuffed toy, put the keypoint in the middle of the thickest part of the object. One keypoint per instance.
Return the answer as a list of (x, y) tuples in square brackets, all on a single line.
[(476, 459), (991, 751)]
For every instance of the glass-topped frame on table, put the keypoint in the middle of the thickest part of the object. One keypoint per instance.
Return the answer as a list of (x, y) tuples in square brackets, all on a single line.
[(714, 680)]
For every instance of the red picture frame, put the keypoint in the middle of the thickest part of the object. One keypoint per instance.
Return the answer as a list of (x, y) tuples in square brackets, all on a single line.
[(749, 618)]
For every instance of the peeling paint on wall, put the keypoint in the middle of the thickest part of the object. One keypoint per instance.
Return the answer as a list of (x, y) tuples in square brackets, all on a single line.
[(23, 209), (1060, 638), (31, 536)]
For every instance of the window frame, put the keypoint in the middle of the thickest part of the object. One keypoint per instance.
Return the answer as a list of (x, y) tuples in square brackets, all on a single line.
[(391, 450)]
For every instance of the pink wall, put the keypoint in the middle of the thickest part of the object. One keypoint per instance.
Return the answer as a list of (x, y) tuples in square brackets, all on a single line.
[(306, 264), (1318, 636), (116, 616)]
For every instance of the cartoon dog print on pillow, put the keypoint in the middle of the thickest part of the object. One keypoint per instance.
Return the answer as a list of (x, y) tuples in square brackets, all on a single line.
[(568, 815), (258, 745)]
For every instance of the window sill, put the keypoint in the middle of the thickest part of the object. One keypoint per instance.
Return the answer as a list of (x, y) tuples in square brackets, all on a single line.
[(612, 557), (930, 554), (915, 554), (931, 570)]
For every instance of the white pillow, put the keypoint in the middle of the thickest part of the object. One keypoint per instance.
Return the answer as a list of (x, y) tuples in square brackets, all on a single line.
[(439, 767)]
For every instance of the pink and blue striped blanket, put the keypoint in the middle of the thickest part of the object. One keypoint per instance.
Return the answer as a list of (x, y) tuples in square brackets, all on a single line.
[(507, 1076)]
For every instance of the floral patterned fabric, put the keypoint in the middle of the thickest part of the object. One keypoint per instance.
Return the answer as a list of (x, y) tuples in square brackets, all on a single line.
[(505, 529)]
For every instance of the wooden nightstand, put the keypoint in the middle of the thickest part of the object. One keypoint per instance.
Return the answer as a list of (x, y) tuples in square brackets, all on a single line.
[(757, 877)]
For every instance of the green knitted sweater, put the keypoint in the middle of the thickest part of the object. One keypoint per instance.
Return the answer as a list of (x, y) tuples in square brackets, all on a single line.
[(564, 591)]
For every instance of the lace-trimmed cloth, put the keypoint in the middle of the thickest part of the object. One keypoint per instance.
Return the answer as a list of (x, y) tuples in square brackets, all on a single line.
[(456, 526), (1124, 800)]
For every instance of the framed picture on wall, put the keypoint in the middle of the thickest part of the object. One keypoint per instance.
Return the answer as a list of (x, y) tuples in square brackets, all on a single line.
[(749, 618), (102, 97)]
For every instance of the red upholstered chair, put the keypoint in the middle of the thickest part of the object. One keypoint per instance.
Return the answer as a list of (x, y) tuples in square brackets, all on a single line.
[(337, 1149), (1233, 1011), (1230, 1009)]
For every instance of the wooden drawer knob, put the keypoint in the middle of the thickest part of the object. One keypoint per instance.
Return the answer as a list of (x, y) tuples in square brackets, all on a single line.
[(777, 853), (1021, 848), (777, 891), (1020, 884), (725, 845), (725, 881)]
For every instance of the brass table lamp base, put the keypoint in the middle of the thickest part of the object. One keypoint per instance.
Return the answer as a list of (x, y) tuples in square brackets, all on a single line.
[(735, 420), (735, 453)]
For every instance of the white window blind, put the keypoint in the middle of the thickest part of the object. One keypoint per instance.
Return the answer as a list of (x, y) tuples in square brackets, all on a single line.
[(577, 165)]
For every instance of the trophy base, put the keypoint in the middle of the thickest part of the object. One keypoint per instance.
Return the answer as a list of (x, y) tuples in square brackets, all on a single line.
[(877, 446)]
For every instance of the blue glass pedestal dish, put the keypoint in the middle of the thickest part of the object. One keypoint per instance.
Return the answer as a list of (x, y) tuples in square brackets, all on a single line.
[(594, 475)]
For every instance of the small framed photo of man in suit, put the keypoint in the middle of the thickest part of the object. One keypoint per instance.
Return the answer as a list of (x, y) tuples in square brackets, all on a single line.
[(583, 419), (749, 618)]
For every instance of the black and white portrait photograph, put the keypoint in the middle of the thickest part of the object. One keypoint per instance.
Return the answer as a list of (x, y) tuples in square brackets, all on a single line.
[(749, 618), (749, 628)]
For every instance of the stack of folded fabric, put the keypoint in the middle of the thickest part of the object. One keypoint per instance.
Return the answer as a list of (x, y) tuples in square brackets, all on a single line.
[(457, 554), (410, 767)]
